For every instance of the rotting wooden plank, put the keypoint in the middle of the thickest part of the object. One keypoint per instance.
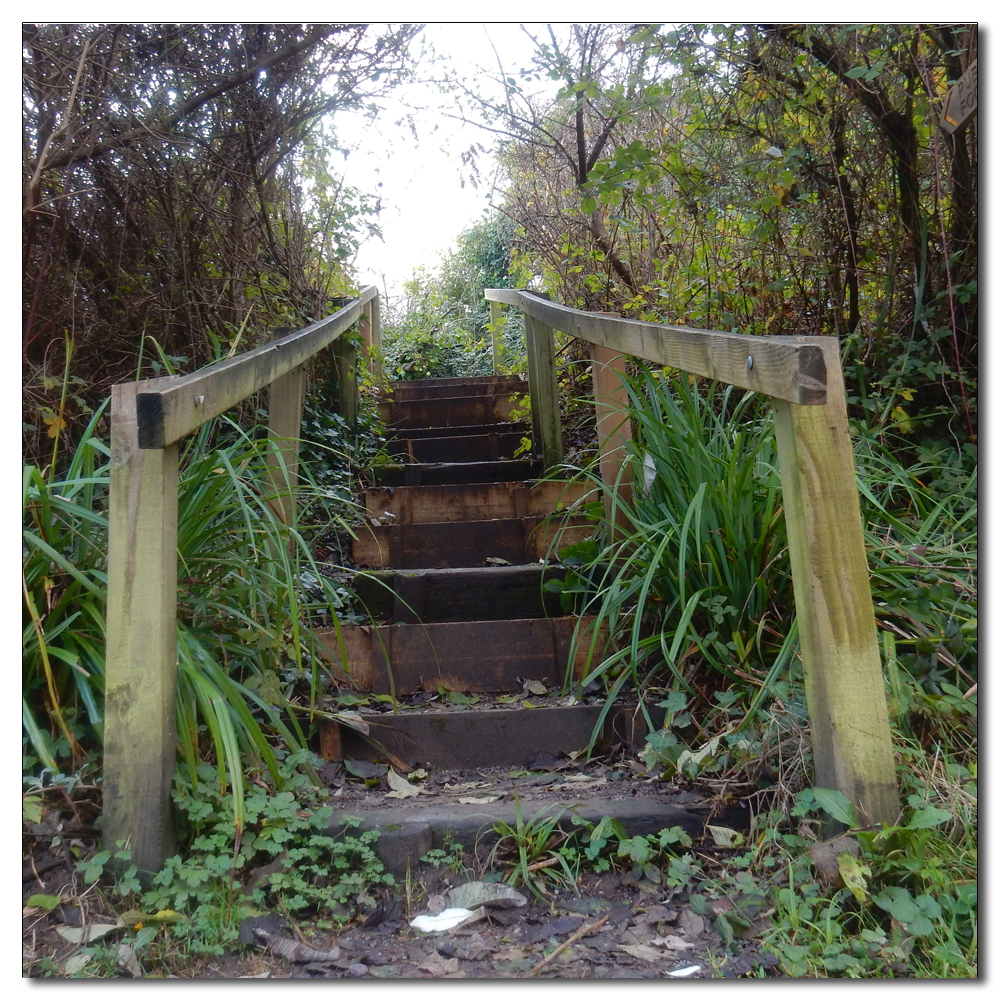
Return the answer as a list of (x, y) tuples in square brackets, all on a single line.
[(845, 691), (456, 473), (788, 368), (140, 743), (169, 413), (614, 430), (546, 426), (475, 501)]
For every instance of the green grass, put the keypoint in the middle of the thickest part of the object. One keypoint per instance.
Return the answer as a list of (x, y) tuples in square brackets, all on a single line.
[(249, 593)]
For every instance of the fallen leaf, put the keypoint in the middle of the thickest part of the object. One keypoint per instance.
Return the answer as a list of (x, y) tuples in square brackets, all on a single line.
[(83, 935), (417, 774), (642, 951), (471, 800), (673, 942), (437, 965), (40, 899), (125, 957), (76, 963), (401, 788), (469, 895), (855, 875), (354, 721), (724, 837), (536, 687)]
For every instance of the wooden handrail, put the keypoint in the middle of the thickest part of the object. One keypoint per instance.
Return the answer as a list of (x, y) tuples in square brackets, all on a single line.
[(842, 670), (789, 368), (148, 419), (169, 413)]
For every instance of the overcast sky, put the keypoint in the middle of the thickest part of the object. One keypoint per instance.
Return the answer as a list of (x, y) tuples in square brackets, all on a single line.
[(426, 191)]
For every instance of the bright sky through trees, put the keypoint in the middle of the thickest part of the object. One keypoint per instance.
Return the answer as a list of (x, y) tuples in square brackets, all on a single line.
[(427, 193)]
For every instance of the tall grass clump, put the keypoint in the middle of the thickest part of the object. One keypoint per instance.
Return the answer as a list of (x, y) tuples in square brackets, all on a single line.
[(702, 577), (249, 593), (696, 595)]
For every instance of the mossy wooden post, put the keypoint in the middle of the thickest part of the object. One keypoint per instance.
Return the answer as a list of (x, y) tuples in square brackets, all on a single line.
[(614, 429), (852, 747), (284, 429), (496, 332), (370, 326), (140, 743), (543, 386), (345, 359)]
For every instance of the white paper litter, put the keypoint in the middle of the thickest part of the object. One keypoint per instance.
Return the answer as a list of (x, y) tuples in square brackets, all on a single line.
[(443, 921), (689, 971)]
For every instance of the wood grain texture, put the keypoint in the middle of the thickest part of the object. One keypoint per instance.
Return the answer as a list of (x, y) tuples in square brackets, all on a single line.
[(345, 362), (788, 368), (140, 742), (284, 429), (614, 430), (168, 414), (543, 386), (496, 332), (845, 691)]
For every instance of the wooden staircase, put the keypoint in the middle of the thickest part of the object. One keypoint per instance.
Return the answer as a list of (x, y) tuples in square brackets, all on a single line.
[(452, 561)]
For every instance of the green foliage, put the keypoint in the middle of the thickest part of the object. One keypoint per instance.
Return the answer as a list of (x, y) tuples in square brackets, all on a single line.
[(444, 329), (286, 833), (283, 858), (249, 593)]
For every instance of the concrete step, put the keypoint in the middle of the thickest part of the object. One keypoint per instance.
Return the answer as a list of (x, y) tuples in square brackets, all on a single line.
[(476, 501), (466, 543), (488, 657), (458, 595)]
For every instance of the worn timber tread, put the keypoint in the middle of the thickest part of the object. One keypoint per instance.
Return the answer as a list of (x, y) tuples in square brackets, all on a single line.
[(472, 593), (447, 473)]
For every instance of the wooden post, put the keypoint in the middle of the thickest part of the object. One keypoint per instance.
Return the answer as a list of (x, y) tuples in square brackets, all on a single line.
[(614, 429), (496, 330), (370, 326), (845, 693), (284, 429), (140, 743), (543, 386), (345, 359)]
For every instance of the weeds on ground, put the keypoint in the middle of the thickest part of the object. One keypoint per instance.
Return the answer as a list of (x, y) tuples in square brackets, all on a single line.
[(284, 858)]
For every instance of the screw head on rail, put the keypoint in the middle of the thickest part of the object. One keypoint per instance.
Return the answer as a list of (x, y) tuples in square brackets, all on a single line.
[(749, 362), (198, 400)]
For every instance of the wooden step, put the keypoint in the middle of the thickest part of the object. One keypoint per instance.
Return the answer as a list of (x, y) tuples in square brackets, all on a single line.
[(413, 433), (483, 447), (489, 738), (448, 411), (494, 657), (437, 388), (458, 595), (476, 501), (465, 543), (448, 473)]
